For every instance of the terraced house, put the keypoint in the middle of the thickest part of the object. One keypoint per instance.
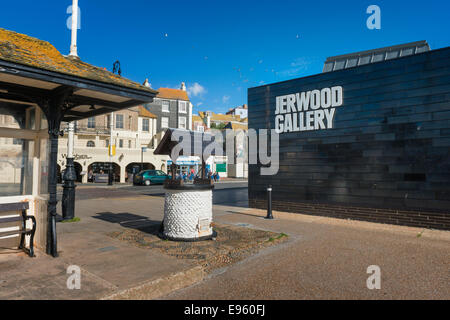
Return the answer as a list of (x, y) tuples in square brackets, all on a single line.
[(172, 108)]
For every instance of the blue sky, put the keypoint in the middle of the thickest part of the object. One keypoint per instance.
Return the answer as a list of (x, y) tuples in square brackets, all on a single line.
[(221, 48)]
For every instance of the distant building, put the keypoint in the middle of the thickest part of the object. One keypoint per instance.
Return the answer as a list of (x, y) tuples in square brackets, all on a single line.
[(133, 129), (211, 120), (241, 111), (207, 120), (172, 108)]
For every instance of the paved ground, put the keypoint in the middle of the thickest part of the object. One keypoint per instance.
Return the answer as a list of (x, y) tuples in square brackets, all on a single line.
[(327, 258), (323, 258), (228, 192)]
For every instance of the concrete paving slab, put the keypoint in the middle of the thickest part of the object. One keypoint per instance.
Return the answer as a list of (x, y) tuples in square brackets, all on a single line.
[(329, 260)]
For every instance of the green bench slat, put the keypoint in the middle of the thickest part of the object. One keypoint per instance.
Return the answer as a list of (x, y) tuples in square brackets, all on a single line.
[(10, 233), (10, 219), (17, 206)]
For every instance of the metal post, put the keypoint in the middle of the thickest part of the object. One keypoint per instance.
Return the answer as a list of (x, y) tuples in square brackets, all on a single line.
[(53, 107), (269, 202), (70, 175), (52, 201), (73, 44), (142, 158)]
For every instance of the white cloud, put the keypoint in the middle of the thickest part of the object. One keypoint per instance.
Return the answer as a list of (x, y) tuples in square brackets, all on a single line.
[(299, 64), (225, 99), (196, 90)]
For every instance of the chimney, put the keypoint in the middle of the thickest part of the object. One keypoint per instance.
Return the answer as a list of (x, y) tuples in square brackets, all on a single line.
[(147, 84), (208, 120), (73, 45), (183, 86)]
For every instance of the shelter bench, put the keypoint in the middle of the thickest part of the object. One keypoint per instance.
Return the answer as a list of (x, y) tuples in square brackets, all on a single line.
[(22, 217)]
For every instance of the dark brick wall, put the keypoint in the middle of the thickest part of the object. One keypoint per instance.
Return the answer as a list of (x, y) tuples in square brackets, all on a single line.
[(389, 148)]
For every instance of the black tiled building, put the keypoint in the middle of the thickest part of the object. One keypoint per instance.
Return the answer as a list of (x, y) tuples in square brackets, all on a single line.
[(386, 156)]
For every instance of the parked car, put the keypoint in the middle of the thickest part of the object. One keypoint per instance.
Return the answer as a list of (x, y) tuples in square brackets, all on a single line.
[(149, 177)]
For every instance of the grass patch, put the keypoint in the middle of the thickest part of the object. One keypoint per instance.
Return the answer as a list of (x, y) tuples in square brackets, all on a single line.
[(74, 219), (281, 235)]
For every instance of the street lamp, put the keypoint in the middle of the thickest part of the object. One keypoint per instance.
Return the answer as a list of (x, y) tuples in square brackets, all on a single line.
[(70, 175)]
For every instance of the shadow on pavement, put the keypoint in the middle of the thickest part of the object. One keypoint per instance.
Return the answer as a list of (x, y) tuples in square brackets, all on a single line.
[(130, 220), (245, 214), (233, 197)]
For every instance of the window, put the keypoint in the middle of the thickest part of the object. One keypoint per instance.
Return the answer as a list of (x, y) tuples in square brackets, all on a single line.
[(182, 122), (90, 144), (164, 122), (182, 107), (91, 122), (129, 144), (106, 143), (165, 106), (120, 143), (129, 122), (119, 121), (145, 125)]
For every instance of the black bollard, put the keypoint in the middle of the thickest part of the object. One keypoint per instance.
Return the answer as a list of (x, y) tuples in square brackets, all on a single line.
[(269, 202), (68, 199)]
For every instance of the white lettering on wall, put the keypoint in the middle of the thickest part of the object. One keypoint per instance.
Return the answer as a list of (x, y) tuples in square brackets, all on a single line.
[(306, 111)]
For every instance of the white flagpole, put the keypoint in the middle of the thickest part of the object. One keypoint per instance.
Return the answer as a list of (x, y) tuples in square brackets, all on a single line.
[(73, 45)]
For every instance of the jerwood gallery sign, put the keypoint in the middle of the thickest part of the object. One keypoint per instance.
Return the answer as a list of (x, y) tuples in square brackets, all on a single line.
[(309, 110)]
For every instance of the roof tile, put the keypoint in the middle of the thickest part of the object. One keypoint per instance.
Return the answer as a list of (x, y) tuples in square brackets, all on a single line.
[(23, 49), (169, 93)]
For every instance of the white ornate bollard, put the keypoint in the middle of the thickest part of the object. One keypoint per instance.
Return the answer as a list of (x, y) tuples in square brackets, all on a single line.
[(188, 212)]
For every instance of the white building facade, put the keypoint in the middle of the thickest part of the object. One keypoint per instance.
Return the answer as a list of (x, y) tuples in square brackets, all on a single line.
[(133, 136)]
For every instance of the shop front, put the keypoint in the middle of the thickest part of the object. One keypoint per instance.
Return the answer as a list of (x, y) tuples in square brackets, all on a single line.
[(185, 164), (367, 139)]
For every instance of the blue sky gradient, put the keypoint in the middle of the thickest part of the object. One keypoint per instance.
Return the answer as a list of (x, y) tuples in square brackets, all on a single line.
[(221, 48)]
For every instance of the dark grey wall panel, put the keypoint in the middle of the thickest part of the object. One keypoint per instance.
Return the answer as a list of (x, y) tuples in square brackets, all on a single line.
[(387, 154)]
